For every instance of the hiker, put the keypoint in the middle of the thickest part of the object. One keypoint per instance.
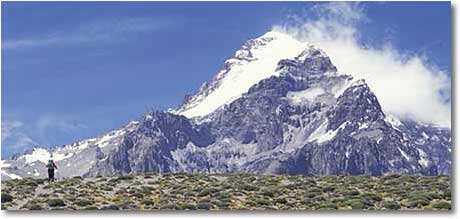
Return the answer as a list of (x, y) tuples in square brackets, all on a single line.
[(51, 166)]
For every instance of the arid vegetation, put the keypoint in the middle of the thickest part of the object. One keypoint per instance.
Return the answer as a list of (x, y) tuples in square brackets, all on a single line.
[(230, 192)]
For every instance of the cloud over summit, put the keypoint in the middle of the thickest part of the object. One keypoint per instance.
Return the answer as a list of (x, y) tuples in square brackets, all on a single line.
[(407, 85)]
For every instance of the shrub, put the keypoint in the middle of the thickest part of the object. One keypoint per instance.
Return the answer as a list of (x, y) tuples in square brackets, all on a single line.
[(371, 196), (204, 205), (392, 205), (147, 202), (441, 205), (328, 206), (83, 202), (56, 202), (269, 193), (247, 187), (413, 203), (6, 198), (34, 207), (208, 191), (328, 189), (110, 207), (352, 192), (262, 201), (188, 206), (91, 208), (356, 204), (281, 200)]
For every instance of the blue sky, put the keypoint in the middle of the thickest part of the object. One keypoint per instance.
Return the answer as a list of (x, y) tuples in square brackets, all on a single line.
[(74, 70)]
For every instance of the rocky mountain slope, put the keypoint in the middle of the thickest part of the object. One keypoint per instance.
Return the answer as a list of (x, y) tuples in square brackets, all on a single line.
[(277, 107)]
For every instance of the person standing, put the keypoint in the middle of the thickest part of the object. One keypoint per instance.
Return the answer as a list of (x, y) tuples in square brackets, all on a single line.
[(51, 166)]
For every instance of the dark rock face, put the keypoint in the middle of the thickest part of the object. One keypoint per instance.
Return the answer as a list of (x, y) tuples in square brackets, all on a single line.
[(147, 148), (310, 61), (308, 120)]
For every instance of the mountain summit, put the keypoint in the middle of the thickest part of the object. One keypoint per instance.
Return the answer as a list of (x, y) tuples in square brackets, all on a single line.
[(254, 61), (277, 107)]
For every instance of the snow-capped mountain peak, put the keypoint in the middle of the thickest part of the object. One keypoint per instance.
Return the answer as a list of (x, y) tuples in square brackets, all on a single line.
[(256, 60)]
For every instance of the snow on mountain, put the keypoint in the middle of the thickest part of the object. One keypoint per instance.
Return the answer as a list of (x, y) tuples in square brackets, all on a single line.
[(256, 60)]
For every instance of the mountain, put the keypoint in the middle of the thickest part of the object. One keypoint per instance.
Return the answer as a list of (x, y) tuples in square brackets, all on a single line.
[(277, 107)]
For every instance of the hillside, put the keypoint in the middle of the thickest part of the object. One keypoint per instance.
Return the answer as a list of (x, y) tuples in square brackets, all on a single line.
[(229, 192)]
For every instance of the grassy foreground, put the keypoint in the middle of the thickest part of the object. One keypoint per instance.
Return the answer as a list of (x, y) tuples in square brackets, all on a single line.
[(229, 191)]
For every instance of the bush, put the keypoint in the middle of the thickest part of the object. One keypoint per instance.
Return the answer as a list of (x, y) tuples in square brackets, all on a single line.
[(208, 191), (328, 189), (371, 196), (281, 200), (83, 202), (269, 193), (328, 206), (6, 198), (247, 187), (56, 202), (147, 202), (413, 203), (392, 205), (441, 205), (204, 205), (352, 192), (188, 206), (110, 207), (34, 207), (91, 208), (356, 204)]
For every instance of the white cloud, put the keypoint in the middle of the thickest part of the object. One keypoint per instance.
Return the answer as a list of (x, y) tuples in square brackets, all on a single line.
[(43, 131), (106, 31), (14, 137), (8, 128), (55, 122), (406, 85)]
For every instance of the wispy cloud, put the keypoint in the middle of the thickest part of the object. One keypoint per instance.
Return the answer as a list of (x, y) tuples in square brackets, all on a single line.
[(406, 84), (44, 131), (92, 33), (8, 128), (63, 123), (14, 137)]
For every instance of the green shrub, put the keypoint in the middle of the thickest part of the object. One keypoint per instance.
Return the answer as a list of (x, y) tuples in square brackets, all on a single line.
[(6, 198), (351, 192), (328, 189), (392, 205), (268, 192), (189, 206), (91, 208), (413, 203), (328, 206), (204, 205), (34, 207), (441, 205), (147, 202), (208, 191), (56, 202), (281, 200), (83, 202), (356, 204), (110, 207), (371, 196)]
